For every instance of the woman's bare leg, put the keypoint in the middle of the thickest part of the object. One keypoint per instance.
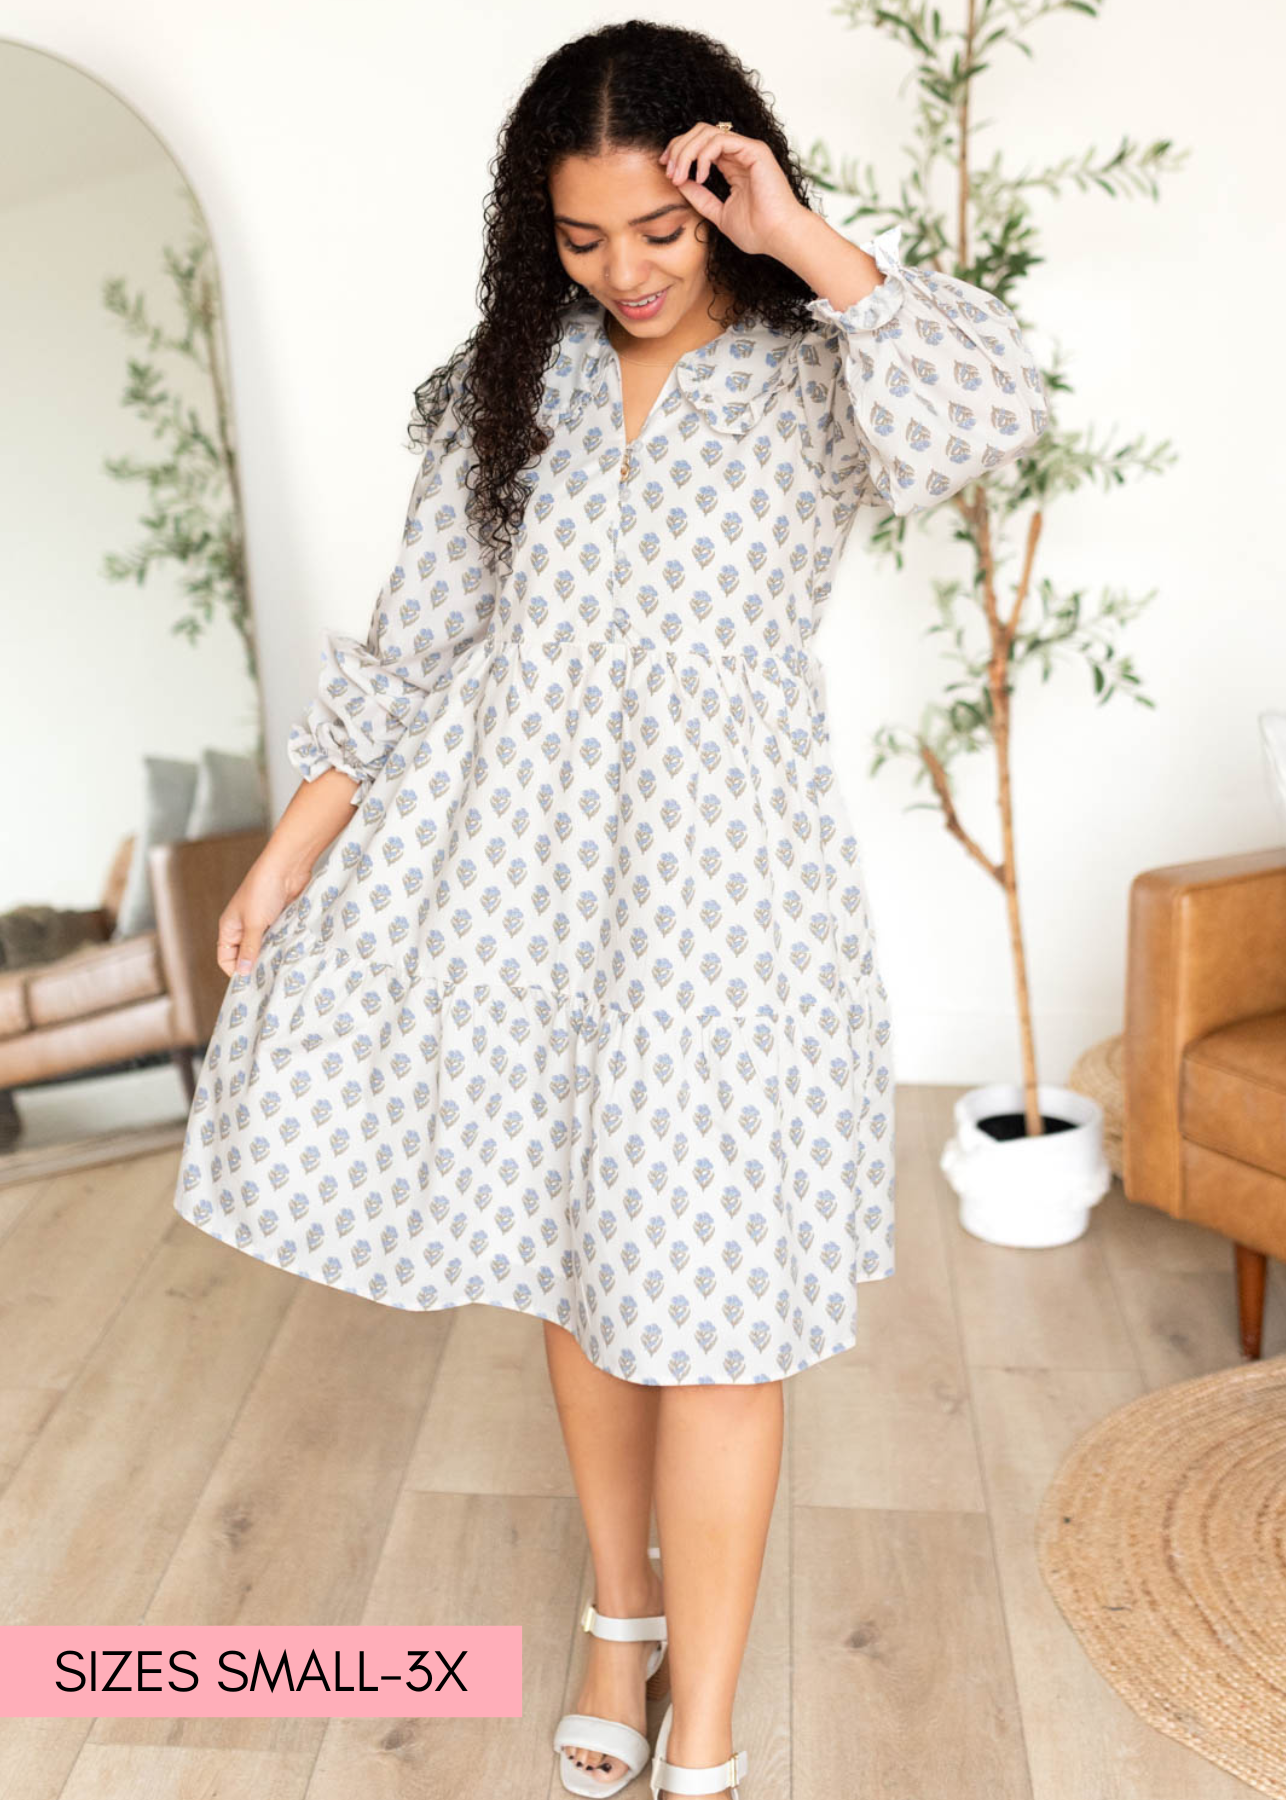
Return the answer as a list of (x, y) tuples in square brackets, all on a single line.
[(609, 1427), (718, 1459)]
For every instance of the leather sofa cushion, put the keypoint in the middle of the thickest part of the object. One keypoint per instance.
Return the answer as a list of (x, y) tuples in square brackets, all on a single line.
[(1232, 1091), (94, 978), (13, 1002)]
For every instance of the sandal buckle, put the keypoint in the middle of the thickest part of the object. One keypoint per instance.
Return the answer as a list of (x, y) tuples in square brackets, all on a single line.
[(587, 1617)]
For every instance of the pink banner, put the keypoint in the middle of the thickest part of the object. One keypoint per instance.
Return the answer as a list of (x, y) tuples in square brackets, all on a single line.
[(258, 1671)]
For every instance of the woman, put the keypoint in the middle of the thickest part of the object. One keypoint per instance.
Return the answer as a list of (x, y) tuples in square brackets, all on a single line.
[(581, 1014)]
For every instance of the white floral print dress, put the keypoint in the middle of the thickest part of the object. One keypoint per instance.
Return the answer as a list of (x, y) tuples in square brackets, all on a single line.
[(581, 1015)]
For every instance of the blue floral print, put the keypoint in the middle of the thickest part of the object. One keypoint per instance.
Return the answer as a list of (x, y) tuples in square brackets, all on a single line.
[(581, 1014)]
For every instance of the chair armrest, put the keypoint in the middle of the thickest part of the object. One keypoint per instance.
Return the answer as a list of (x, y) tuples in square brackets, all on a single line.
[(1207, 946), (192, 882)]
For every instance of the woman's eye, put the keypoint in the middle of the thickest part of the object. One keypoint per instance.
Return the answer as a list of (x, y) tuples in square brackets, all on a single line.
[(584, 249)]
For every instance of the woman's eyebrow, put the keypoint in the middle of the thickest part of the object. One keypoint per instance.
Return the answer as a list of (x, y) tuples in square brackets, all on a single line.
[(646, 218)]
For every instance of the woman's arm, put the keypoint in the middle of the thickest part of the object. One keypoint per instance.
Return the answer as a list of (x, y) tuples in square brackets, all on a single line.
[(317, 811), (834, 268), (376, 696), (919, 383)]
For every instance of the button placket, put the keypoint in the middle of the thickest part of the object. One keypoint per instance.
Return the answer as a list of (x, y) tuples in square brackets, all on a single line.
[(619, 623)]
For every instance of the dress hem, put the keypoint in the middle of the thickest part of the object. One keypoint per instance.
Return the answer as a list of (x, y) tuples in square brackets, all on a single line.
[(838, 1348)]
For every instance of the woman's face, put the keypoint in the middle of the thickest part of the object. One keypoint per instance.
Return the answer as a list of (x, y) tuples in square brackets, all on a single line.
[(625, 232)]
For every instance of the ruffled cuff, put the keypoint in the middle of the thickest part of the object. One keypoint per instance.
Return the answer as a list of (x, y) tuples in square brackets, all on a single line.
[(879, 306), (358, 716), (313, 747)]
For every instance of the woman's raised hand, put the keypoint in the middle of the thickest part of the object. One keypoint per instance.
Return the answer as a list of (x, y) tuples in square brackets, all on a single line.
[(761, 208)]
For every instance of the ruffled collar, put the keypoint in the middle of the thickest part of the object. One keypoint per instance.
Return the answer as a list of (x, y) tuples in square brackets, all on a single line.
[(728, 380)]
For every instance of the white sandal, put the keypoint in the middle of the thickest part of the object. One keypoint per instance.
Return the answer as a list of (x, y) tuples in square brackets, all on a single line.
[(675, 1778), (609, 1736)]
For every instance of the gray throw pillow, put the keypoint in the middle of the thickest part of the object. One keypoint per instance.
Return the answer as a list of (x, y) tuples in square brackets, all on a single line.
[(229, 795), (168, 787)]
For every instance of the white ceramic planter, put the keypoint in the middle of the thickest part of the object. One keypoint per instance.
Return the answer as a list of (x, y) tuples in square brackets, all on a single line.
[(1028, 1192)]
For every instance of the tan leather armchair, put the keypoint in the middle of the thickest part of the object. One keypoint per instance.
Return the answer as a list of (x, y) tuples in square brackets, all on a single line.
[(1205, 1057), (108, 1002)]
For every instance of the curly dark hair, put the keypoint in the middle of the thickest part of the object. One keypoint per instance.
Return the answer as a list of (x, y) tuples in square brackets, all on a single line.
[(633, 85)]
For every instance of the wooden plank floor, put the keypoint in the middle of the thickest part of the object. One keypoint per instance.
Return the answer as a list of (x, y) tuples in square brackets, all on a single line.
[(189, 1437)]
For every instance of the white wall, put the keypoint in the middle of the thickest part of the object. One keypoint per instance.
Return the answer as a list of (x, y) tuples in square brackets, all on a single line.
[(342, 156)]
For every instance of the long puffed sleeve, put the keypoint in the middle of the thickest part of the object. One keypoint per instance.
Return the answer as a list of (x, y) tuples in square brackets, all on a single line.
[(433, 607), (922, 385)]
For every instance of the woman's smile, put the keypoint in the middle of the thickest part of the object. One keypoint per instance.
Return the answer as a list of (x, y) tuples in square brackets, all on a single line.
[(645, 308)]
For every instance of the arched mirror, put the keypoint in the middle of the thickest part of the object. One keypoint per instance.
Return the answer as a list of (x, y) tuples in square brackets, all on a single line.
[(132, 731)]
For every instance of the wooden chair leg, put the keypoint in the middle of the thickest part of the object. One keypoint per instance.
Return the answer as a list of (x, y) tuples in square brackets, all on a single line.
[(1252, 1266), (182, 1060), (10, 1123)]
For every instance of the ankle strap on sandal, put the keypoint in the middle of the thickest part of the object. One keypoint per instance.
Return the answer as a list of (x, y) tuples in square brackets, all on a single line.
[(622, 1631), (679, 1779)]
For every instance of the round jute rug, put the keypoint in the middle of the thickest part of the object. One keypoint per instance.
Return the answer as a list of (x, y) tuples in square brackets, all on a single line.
[(1163, 1539)]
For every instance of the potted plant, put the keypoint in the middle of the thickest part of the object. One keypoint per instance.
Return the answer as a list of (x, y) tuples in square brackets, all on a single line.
[(1027, 1157)]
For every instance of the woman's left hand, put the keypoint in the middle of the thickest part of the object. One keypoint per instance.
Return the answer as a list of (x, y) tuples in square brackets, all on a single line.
[(761, 208)]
